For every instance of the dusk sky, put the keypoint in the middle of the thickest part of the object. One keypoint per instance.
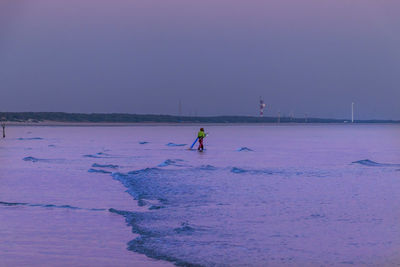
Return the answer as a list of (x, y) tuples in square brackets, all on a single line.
[(216, 56)]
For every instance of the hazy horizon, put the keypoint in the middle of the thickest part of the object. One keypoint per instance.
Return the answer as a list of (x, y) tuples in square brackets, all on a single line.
[(216, 57)]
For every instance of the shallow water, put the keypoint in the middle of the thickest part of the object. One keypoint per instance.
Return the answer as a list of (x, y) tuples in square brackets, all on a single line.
[(287, 195)]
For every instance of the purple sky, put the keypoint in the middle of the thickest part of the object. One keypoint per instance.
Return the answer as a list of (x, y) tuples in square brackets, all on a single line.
[(217, 56)]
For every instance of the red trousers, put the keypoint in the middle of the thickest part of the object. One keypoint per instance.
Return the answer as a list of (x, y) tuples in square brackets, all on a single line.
[(200, 144)]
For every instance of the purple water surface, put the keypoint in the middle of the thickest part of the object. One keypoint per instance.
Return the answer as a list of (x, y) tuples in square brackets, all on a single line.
[(298, 195)]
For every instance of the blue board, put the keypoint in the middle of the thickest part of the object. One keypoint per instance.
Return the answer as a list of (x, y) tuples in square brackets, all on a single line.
[(195, 141)]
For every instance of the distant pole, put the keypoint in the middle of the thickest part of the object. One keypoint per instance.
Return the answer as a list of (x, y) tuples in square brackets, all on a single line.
[(352, 112), (180, 108), (279, 117), (3, 125)]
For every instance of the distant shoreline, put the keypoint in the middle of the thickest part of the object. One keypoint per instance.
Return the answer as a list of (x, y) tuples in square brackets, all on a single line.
[(121, 119), (154, 124)]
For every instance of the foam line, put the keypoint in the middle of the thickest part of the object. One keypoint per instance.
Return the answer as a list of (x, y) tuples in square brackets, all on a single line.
[(370, 163), (48, 206)]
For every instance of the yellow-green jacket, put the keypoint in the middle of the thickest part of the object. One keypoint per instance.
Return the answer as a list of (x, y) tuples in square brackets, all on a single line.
[(201, 134)]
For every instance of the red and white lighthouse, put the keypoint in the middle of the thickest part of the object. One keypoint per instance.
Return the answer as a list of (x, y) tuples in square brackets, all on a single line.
[(262, 107)]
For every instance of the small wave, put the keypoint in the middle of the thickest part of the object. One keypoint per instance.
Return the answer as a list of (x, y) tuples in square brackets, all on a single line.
[(156, 207), (51, 146), (262, 172), (238, 170), (367, 162), (30, 138), (207, 168), (92, 156), (120, 212), (184, 229), (111, 166), (12, 203), (171, 162), (47, 206), (244, 149), (33, 159), (317, 216), (97, 155), (370, 163), (98, 171), (173, 144), (143, 142)]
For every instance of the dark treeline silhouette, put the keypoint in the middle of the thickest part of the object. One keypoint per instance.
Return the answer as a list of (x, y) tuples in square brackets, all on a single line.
[(128, 118)]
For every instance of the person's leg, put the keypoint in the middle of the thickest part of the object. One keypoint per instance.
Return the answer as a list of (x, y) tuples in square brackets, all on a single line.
[(200, 144)]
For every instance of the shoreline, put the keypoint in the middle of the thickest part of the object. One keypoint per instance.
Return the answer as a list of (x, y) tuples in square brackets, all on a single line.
[(128, 124)]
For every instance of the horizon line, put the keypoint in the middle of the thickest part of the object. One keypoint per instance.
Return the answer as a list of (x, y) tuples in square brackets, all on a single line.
[(128, 117)]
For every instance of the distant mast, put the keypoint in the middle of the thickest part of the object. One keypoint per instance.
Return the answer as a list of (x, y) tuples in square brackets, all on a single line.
[(352, 112), (3, 125), (262, 107)]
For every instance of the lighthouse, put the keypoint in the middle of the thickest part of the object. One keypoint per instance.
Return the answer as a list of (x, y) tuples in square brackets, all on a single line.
[(262, 107)]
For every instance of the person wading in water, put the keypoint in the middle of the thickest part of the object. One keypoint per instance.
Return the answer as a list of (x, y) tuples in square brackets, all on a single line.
[(201, 136)]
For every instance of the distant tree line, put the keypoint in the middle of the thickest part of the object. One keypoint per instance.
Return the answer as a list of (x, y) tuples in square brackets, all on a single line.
[(131, 118)]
